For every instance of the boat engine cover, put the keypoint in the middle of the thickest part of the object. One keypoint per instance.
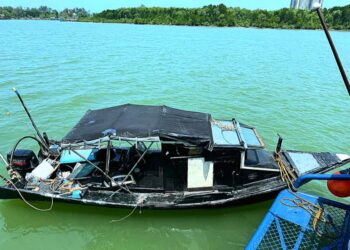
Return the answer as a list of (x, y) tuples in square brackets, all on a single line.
[(23, 160)]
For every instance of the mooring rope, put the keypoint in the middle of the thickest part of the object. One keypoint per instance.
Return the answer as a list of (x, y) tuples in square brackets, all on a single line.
[(288, 176), (25, 201), (127, 216)]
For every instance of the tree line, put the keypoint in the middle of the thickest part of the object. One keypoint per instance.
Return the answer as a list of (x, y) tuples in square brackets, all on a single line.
[(42, 12), (220, 15), (212, 15)]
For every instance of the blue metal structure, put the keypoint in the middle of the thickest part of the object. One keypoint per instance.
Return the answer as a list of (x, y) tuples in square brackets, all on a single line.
[(287, 226), (309, 177), (292, 222)]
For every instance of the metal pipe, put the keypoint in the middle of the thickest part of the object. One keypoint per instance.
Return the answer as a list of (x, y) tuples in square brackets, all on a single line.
[(3, 159), (334, 50), (30, 117), (132, 169), (309, 177), (85, 159), (137, 151), (108, 156), (135, 165)]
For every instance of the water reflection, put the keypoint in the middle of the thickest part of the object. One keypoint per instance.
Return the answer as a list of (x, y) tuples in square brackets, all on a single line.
[(91, 227)]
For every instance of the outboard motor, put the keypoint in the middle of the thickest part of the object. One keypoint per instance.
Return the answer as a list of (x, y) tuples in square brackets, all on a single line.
[(23, 161)]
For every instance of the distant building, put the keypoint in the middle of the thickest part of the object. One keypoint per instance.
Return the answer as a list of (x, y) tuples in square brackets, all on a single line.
[(304, 4)]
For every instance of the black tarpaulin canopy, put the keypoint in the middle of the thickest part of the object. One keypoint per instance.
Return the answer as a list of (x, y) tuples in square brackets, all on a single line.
[(142, 121)]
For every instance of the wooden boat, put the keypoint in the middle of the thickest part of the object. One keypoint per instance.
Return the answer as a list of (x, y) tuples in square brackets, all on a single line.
[(159, 157), (156, 157)]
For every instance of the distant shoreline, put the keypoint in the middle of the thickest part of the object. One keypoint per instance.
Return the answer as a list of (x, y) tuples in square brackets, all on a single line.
[(337, 18), (202, 26), (210, 26), (40, 19), (221, 16)]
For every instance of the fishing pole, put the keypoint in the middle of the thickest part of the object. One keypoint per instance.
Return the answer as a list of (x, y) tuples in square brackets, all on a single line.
[(30, 118), (317, 8)]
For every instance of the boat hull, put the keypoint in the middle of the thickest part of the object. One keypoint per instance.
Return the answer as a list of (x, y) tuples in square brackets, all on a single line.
[(213, 197), (261, 191)]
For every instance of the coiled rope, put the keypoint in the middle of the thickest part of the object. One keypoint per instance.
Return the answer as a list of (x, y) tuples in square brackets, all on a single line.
[(316, 211)]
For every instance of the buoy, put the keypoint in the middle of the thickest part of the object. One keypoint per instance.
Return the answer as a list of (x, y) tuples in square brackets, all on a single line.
[(338, 187)]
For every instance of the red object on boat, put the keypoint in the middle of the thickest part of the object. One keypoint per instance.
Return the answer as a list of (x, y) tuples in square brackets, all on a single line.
[(339, 188)]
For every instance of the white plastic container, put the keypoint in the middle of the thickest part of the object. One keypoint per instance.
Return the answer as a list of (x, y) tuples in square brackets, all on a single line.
[(44, 170)]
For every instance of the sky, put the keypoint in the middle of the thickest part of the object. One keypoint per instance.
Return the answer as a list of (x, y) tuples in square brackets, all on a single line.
[(99, 5)]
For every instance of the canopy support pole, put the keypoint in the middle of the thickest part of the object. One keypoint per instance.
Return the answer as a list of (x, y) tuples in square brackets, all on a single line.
[(85, 159), (108, 155), (132, 169), (137, 150)]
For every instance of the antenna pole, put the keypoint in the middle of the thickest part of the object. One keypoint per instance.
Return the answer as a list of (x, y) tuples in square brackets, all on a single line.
[(334, 50), (30, 117)]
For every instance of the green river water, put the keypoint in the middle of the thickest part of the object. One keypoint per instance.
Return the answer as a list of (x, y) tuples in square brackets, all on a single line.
[(281, 81)]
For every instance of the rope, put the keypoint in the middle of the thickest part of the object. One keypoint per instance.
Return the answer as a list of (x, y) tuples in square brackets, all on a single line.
[(25, 201), (223, 127), (315, 211), (127, 216), (288, 176), (131, 213)]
